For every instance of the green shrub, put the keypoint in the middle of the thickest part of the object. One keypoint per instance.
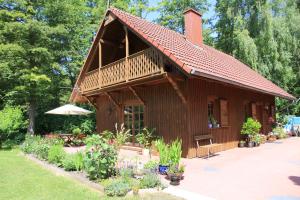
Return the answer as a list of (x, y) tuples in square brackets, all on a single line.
[(76, 131), (126, 173), (175, 152), (251, 128), (100, 158), (68, 162), (122, 135), (39, 146), (150, 180), (78, 161), (56, 154), (29, 144), (146, 137), (87, 126), (163, 150), (151, 165), (73, 162), (12, 123), (117, 188), (108, 135), (279, 132), (42, 148)]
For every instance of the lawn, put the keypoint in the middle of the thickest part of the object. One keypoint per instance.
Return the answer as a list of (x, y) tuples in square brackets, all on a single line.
[(23, 179)]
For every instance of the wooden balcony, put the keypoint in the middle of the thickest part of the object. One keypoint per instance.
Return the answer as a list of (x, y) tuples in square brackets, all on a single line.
[(139, 65)]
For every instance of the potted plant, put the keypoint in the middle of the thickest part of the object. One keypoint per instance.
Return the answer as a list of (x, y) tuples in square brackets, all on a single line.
[(257, 140), (181, 170), (263, 138), (212, 122), (164, 156), (251, 128), (145, 138), (174, 175), (242, 144)]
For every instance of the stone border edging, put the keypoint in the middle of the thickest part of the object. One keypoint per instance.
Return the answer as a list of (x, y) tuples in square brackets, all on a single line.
[(78, 176)]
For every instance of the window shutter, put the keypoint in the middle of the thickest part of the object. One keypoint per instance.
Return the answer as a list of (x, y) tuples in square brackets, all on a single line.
[(253, 110), (224, 119)]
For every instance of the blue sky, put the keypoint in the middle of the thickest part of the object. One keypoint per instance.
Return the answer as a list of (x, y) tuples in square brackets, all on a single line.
[(153, 15)]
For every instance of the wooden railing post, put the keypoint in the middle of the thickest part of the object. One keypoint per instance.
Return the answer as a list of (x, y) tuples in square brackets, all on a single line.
[(161, 63), (100, 64), (127, 54)]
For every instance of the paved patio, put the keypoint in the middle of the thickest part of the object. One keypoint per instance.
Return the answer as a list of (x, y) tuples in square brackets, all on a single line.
[(269, 172)]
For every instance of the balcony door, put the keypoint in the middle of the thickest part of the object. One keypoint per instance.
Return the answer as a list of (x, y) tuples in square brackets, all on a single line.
[(134, 120)]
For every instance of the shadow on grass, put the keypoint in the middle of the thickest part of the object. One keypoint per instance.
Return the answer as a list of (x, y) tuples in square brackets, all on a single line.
[(295, 179)]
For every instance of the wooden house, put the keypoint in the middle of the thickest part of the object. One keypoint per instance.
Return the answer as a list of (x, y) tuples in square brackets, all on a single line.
[(145, 75)]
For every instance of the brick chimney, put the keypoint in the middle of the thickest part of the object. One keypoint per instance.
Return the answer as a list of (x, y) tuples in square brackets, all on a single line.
[(193, 26)]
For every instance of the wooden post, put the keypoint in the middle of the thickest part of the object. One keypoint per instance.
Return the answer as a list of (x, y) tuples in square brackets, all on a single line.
[(100, 64), (126, 54), (161, 63)]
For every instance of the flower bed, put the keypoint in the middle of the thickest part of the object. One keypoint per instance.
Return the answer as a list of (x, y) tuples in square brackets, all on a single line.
[(98, 161)]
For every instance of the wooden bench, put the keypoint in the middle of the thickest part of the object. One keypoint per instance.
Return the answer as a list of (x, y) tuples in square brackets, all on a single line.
[(209, 137)]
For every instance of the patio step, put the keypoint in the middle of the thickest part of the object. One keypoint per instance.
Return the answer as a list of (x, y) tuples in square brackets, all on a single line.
[(132, 148)]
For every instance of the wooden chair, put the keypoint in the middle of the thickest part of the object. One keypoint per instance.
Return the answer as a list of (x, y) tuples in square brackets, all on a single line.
[(209, 137)]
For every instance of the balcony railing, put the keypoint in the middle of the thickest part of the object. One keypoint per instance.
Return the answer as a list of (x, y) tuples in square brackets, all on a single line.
[(142, 64)]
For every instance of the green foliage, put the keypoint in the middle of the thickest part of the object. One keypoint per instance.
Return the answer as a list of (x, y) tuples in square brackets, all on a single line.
[(126, 173), (68, 162), (11, 123), (164, 153), (151, 165), (279, 132), (30, 143), (171, 12), (117, 188), (56, 154), (100, 158), (264, 35), (76, 131), (146, 137), (93, 140), (251, 128), (39, 146), (108, 135), (122, 135), (150, 180), (175, 152)]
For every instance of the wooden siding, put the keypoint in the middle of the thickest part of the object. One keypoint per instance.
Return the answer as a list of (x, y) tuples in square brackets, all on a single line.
[(199, 90), (164, 111), (172, 118)]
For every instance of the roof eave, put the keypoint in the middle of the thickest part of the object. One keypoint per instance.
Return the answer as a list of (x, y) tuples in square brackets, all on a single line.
[(198, 73)]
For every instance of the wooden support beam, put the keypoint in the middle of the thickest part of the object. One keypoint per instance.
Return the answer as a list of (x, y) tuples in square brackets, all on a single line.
[(177, 89), (112, 100), (91, 101), (108, 19), (136, 95), (111, 43)]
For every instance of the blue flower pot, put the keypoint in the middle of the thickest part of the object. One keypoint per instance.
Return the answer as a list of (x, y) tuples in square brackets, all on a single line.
[(163, 169)]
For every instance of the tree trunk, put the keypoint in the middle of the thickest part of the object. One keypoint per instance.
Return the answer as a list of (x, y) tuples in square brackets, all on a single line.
[(31, 116)]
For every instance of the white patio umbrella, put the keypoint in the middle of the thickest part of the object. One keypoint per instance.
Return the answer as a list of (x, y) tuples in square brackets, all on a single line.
[(69, 109)]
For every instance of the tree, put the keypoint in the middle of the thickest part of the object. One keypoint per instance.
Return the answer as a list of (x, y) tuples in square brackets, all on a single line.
[(265, 35), (42, 47), (171, 12)]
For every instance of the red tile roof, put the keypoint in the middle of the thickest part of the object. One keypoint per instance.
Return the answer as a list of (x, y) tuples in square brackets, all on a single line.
[(200, 60)]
